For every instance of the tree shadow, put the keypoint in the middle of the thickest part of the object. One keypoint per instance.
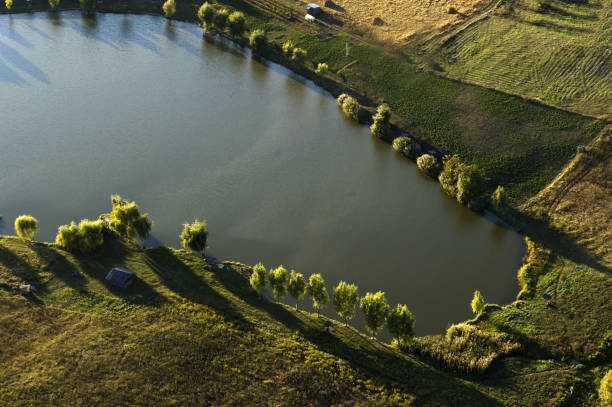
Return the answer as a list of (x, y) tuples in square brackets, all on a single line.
[(20, 62), (21, 269)]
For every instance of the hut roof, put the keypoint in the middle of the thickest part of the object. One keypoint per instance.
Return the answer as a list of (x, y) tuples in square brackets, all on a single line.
[(120, 277)]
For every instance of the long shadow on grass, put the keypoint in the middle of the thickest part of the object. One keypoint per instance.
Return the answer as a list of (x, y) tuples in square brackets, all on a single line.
[(178, 277), (20, 268), (430, 385)]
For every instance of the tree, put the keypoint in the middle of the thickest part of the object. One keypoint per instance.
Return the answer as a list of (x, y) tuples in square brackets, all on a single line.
[(407, 147), (317, 291), (428, 164), (87, 5), (237, 24), (345, 300), (605, 389), (220, 19), (498, 197), (26, 226), (206, 14), (8, 4), (194, 236), (401, 324), (322, 68), (298, 55), (469, 183), (278, 281), (54, 3), (381, 124), (85, 237), (375, 311), (349, 106), (288, 47), (126, 220), (258, 41), (478, 303), (296, 287), (169, 8), (258, 278)]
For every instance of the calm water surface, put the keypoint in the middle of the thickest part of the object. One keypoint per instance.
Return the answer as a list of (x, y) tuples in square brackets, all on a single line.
[(197, 129)]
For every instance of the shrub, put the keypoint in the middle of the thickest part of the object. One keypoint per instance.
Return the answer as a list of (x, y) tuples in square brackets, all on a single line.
[(375, 311), (299, 55), (465, 348), (54, 3), (206, 14), (498, 197), (169, 8), (278, 281), (461, 181), (85, 237), (407, 146), (345, 298), (296, 287), (322, 68), (125, 219), (605, 389), (478, 303), (317, 291), (258, 41), (8, 4), (220, 19), (288, 47), (194, 236), (429, 165), (381, 124), (258, 278), (236, 24), (350, 107), (26, 226), (401, 324)]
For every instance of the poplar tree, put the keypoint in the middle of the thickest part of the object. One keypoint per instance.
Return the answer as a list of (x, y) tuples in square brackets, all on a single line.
[(296, 287), (375, 311), (345, 298), (317, 291), (258, 278)]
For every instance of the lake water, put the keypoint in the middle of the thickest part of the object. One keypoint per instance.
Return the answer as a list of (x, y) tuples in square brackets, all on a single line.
[(190, 128)]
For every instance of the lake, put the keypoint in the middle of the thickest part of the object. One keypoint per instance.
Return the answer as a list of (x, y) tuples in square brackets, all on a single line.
[(192, 128)]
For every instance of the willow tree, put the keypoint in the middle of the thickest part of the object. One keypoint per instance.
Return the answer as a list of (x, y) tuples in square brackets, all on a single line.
[(380, 127), (220, 19), (169, 8), (236, 23), (258, 41), (345, 299), (478, 303), (26, 226), (278, 281), (317, 292), (8, 4), (258, 278), (206, 15), (296, 287), (375, 311), (125, 219), (194, 236), (401, 324), (54, 3)]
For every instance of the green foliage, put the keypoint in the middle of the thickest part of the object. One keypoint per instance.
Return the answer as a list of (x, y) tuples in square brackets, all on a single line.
[(26, 226), (478, 303), (8, 4), (169, 8), (288, 47), (85, 237), (407, 146), (498, 197), (258, 278), (194, 236), (401, 324), (220, 19), (461, 181), (375, 311), (278, 281), (54, 3), (322, 68), (258, 41), (125, 219), (206, 15), (349, 106), (298, 55), (296, 287), (381, 124), (605, 389), (317, 291), (87, 5), (428, 164), (345, 298), (237, 24)]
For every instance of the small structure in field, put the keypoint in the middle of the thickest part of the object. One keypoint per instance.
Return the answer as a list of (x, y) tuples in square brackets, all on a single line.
[(26, 289), (120, 277), (581, 148), (309, 18), (313, 9), (327, 325)]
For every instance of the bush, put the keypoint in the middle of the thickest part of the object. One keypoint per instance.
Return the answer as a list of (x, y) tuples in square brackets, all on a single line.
[(26, 226), (194, 236), (375, 311), (381, 124), (349, 106), (206, 14), (299, 55), (498, 197), (54, 3), (322, 68), (84, 238), (407, 146), (169, 8), (605, 389), (258, 41), (278, 278), (428, 164), (220, 19), (236, 24), (401, 324), (288, 47)]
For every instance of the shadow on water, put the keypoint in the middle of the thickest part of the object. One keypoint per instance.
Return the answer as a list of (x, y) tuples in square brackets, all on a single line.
[(12, 56)]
